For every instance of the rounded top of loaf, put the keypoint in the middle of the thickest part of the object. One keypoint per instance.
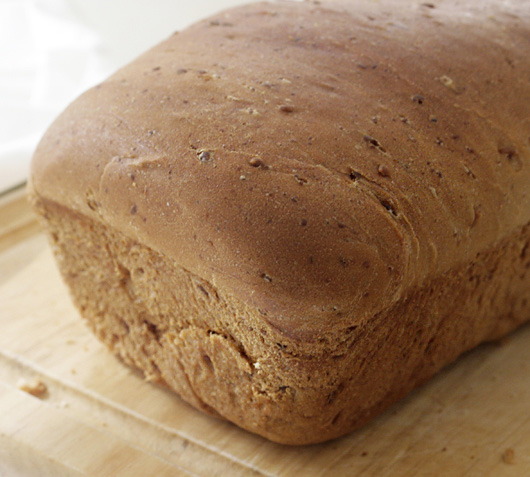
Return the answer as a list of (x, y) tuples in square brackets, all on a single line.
[(313, 159)]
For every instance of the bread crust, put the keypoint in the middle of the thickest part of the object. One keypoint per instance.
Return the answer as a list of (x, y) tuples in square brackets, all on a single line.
[(318, 164)]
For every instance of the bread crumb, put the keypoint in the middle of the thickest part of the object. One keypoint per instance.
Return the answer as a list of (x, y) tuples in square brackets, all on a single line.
[(450, 84), (285, 108), (36, 387), (204, 156), (373, 142), (256, 162), (383, 171), (508, 456)]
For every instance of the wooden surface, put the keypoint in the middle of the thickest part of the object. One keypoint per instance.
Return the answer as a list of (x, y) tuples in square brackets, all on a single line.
[(99, 417)]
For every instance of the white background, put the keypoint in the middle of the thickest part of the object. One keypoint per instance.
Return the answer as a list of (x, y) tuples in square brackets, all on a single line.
[(53, 50)]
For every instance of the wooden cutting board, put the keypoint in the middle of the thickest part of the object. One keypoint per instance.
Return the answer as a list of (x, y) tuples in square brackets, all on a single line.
[(99, 417)]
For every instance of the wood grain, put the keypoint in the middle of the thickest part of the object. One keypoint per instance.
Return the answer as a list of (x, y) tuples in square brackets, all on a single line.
[(99, 417)]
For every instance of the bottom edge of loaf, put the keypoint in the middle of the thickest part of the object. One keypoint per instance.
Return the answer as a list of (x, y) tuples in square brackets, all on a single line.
[(224, 358)]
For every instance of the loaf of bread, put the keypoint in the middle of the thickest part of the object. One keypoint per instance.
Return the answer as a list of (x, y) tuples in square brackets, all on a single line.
[(294, 213)]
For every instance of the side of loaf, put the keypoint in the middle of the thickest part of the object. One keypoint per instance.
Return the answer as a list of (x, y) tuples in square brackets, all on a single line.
[(294, 213)]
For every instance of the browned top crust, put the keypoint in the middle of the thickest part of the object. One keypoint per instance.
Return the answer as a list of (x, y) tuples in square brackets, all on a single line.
[(316, 160)]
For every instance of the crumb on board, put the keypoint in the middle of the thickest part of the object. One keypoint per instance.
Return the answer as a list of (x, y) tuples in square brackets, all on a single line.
[(36, 387), (508, 456)]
